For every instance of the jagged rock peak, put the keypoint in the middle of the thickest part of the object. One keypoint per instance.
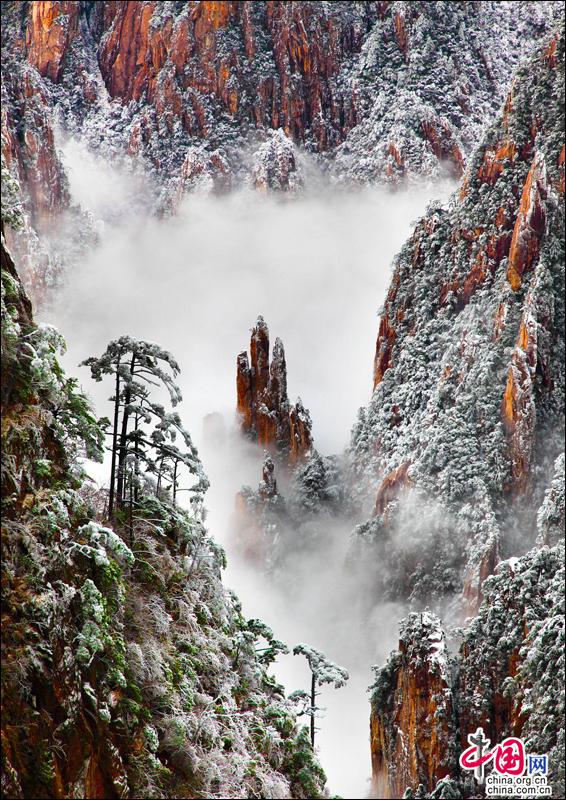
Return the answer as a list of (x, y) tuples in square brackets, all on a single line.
[(263, 407)]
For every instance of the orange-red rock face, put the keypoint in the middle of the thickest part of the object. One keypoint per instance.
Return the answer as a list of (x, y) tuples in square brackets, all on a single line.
[(518, 406), (263, 407), (413, 723), (383, 350), (443, 148), (34, 156), (529, 226), (174, 63), (52, 28), (495, 161), (30, 154), (501, 716), (390, 487), (560, 184)]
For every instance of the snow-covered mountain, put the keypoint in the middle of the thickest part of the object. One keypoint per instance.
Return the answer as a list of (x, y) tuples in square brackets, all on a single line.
[(212, 95), (458, 459), (129, 670)]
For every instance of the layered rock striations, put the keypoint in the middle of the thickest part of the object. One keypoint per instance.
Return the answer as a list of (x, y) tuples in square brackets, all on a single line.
[(263, 407), (467, 411), (272, 64)]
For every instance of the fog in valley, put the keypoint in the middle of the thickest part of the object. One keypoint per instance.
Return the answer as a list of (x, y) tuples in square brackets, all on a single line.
[(317, 267)]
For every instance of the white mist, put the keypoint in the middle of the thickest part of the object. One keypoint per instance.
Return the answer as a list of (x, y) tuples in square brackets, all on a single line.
[(317, 269)]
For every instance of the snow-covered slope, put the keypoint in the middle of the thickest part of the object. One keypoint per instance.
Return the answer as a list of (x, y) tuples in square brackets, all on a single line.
[(463, 432), (466, 417), (128, 670)]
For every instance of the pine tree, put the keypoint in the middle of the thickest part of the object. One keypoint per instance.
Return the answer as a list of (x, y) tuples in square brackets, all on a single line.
[(322, 671), (137, 366)]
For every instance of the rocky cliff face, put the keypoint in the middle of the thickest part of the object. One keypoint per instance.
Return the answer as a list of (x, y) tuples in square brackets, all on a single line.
[(505, 677), (468, 368), (127, 669), (413, 717), (30, 158), (272, 64), (263, 408), (302, 67), (192, 92), (468, 409)]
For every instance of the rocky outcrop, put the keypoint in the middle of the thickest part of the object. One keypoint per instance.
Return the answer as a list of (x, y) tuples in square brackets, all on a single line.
[(412, 719), (479, 568), (273, 64), (469, 389), (383, 350), (390, 487), (263, 408), (30, 156), (28, 145), (51, 29), (275, 165), (257, 518), (529, 225), (519, 403), (504, 678), (202, 172), (300, 434)]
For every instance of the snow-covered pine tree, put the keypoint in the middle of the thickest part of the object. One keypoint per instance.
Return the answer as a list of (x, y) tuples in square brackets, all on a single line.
[(322, 671)]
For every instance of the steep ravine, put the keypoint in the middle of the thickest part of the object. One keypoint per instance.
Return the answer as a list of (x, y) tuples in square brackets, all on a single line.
[(170, 305)]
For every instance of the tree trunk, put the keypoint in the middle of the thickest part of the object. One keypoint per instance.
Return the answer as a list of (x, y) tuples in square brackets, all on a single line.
[(131, 520), (136, 460), (313, 701), (175, 481), (114, 443), (122, 450), (160, 472)]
